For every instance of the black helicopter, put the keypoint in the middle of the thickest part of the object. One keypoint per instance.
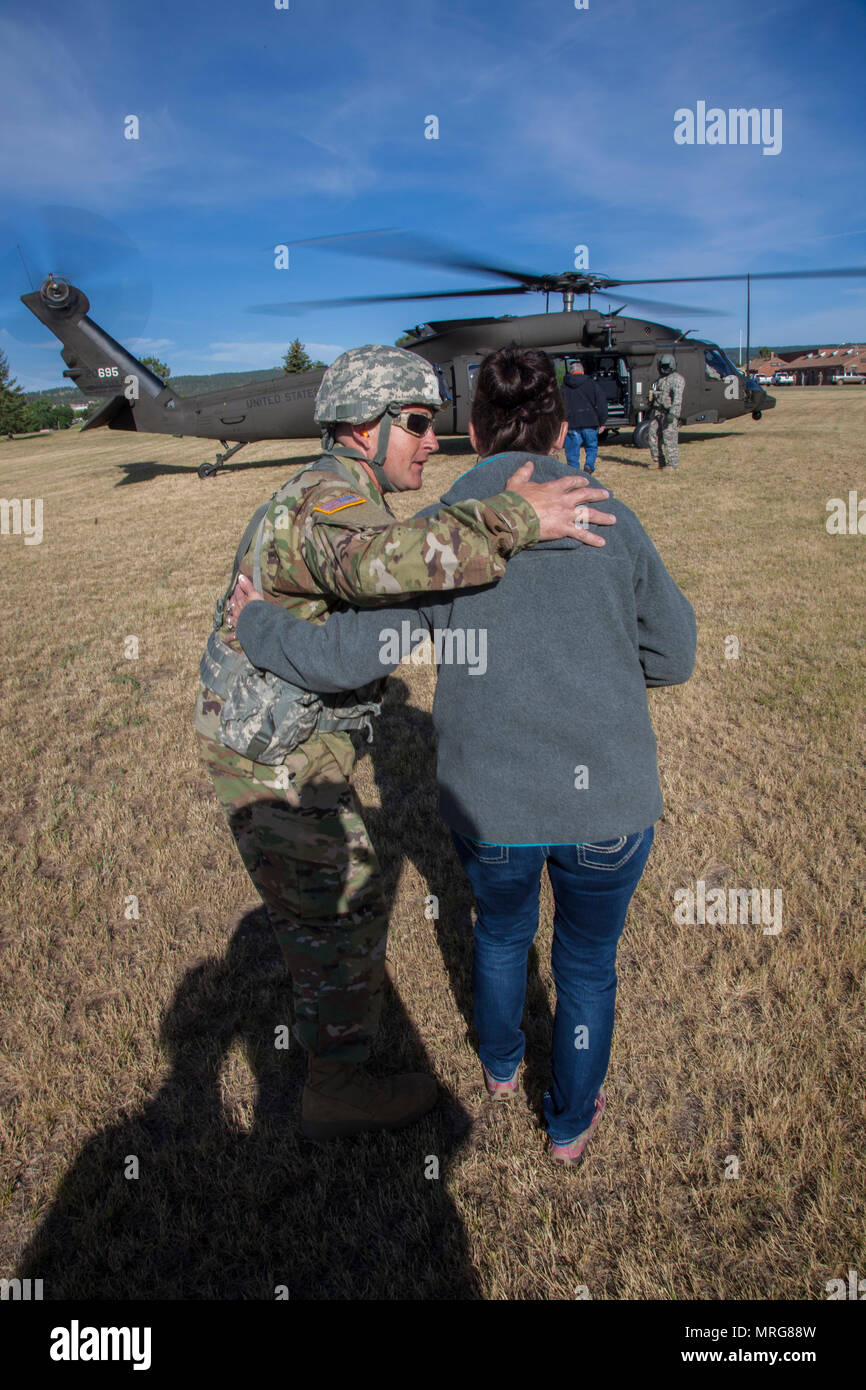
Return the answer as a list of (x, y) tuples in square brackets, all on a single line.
[(621, 353)]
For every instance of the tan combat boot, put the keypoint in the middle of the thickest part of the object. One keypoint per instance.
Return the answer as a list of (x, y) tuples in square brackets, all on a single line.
[(339, 1100)]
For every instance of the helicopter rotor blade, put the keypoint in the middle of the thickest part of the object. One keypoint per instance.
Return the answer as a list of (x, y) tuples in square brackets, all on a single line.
[(758, 275), (394, 243), (299, 306), (398, 244), (690, 309)]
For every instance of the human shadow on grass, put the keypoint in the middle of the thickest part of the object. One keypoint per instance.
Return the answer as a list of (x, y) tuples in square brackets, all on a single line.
[(190, 1199)]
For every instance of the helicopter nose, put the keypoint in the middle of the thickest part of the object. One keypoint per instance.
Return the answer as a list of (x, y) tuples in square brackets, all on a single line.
[(760, 401), (758, 398)]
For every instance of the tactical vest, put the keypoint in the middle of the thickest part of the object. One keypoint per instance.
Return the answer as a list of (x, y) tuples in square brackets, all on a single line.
[(263, 716)]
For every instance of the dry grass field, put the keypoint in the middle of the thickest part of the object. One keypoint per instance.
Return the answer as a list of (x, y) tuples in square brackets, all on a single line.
[(151, 1038)]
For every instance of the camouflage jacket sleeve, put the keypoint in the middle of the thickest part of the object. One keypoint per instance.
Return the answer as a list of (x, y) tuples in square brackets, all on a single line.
[(462, 545), (677, 388)]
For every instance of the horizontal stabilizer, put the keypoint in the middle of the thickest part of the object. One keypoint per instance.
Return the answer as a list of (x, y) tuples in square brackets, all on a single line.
[(117, 413)]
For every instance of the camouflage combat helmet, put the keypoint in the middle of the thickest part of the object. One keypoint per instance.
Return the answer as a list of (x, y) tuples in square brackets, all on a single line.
[(667, 362), (371, 383)]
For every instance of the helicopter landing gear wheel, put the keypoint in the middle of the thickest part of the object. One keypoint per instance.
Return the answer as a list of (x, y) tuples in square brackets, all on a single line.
[(208, 470), (756, 414), (640, 438)]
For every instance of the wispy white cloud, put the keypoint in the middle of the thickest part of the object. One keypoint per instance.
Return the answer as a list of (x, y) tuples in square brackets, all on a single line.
[(136, 345)]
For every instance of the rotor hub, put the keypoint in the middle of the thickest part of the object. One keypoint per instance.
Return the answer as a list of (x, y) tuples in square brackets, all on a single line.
[(55, 292)]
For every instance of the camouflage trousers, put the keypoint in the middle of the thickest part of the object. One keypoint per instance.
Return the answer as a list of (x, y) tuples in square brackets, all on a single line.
[(302, 838), (669, 443)]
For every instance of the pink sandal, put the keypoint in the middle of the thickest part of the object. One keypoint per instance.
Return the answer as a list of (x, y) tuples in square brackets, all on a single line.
[(500, 1090), (573, 1152)]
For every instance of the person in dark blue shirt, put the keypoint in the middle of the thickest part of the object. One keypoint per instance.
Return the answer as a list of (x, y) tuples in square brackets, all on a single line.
[(586, 411)]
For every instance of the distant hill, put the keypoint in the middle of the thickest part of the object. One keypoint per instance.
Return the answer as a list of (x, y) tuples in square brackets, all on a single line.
[(183, 385), (220, 381)]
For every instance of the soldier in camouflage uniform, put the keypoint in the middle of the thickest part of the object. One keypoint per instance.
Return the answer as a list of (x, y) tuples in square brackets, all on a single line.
[(328, 539), (666, 400)]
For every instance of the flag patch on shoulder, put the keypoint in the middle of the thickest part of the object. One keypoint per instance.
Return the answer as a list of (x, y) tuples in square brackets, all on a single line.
[(336, 504)]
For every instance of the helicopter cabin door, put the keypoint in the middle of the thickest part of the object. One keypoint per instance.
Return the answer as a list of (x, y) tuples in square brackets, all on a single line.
[(612, 374), (459, 377)]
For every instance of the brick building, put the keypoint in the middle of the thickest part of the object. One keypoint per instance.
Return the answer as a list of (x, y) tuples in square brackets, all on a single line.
[(813, 366)]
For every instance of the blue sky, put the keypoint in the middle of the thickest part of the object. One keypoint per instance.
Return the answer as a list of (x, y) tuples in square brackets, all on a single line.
[(260, 126)]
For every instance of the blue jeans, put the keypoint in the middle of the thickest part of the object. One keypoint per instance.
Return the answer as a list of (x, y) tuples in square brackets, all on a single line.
[(592, 886), (573, 441)]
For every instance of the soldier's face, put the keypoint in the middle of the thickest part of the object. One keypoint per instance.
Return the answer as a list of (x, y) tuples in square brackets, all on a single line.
[(407, 454)]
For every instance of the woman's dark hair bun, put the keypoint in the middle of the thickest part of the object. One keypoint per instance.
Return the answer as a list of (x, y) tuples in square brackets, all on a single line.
[(517, 403)]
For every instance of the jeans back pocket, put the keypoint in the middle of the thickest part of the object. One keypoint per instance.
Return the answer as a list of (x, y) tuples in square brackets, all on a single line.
[(609, 854), (485, 854)]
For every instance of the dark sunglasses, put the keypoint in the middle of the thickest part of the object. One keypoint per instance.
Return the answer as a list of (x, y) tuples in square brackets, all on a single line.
[(414, 422)]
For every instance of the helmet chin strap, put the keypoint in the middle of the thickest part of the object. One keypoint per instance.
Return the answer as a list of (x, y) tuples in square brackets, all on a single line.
[(376, 463)]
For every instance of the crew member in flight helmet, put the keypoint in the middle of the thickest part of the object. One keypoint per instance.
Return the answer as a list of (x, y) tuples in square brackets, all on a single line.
[(666, 401)]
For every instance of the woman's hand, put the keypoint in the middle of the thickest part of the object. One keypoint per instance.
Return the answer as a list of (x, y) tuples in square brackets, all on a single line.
[(242, 594)]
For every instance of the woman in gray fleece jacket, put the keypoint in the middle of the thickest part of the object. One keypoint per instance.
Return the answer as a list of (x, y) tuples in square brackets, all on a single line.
[(546, 753)]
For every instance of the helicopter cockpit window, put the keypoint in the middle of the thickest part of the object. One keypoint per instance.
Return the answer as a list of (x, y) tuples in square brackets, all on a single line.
[(472, 372), (717, 367)]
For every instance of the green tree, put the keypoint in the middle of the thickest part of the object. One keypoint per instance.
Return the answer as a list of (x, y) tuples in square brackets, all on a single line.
[(13, 403), (158, 368), (38, 413), (405, 339), (764, 352), (297, 359), (44, 414)]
